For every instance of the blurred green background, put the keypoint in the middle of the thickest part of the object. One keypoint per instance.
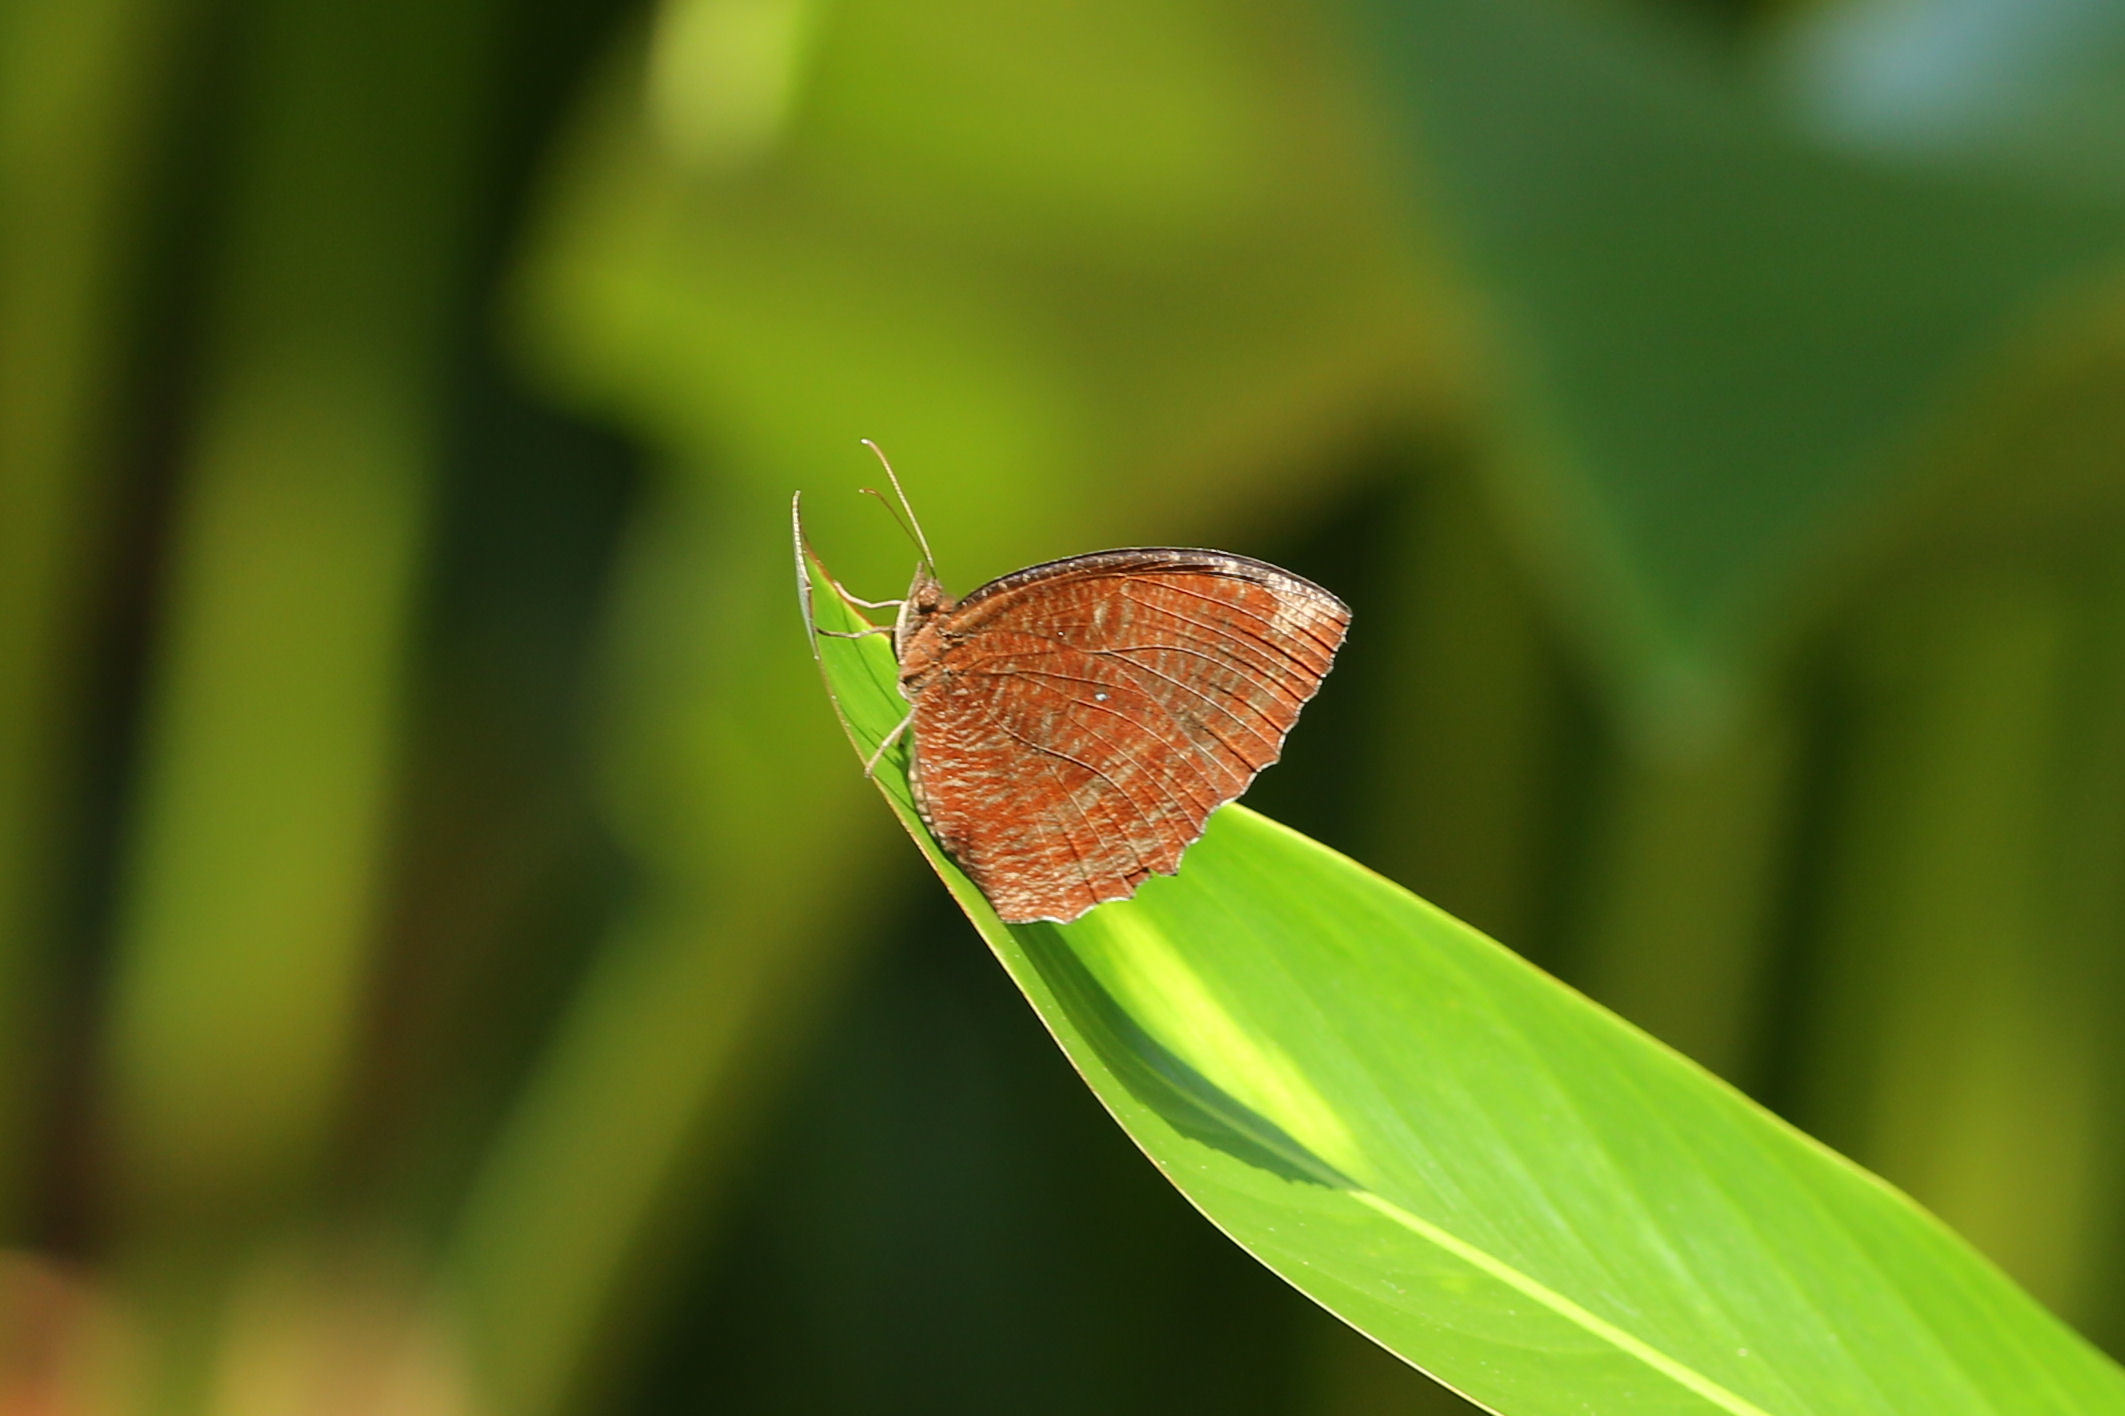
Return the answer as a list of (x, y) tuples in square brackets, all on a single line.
[(449, 962)]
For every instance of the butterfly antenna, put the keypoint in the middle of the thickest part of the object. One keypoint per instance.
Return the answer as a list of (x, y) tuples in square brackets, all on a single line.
[(908, 523)]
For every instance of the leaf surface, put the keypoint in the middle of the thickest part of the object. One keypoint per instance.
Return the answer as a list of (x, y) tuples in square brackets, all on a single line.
[(1475, 1165)]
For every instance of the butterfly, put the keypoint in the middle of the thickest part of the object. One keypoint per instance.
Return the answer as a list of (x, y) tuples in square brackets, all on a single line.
[(1074, 724)]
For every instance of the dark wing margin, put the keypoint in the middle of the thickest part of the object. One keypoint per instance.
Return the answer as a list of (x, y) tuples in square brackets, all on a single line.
[(1154, 559)]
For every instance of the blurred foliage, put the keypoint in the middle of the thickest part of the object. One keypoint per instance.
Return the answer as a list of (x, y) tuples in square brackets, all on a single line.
[(430, 886)]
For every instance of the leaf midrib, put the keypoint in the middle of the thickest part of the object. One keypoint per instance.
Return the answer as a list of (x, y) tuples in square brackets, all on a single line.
[(1523, 1283)]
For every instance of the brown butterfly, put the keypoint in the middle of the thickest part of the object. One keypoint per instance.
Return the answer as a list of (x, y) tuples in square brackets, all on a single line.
[(1075, 723)]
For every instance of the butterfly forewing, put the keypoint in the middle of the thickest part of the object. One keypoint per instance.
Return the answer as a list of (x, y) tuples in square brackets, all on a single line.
[(1081, 720)]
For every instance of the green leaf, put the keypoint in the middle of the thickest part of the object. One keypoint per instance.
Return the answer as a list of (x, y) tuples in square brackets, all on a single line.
[(1488, 1174), (1714, 344)]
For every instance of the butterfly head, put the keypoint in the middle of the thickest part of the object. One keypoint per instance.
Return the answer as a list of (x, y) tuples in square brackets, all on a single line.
[(927, 599)]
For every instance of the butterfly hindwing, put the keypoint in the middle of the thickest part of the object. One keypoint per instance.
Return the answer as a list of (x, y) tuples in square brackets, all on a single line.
[(1085, 717)]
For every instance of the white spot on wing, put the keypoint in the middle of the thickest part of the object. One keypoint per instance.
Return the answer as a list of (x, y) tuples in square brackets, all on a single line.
[(1294, 615)]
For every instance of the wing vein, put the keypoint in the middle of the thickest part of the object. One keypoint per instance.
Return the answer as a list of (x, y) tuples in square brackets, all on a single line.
[(1268, 622)]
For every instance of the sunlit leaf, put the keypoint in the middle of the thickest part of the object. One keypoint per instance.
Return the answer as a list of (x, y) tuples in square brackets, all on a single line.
[(1481, 1169)]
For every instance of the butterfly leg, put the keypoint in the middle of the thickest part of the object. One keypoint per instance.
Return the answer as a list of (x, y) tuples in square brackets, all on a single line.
[(858, 600), (885, 742)]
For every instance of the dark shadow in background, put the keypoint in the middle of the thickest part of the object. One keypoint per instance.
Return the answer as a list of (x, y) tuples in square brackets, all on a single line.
[(944, 1221)]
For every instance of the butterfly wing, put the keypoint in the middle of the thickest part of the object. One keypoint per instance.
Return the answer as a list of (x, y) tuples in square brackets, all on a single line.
[(1083, 718)]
